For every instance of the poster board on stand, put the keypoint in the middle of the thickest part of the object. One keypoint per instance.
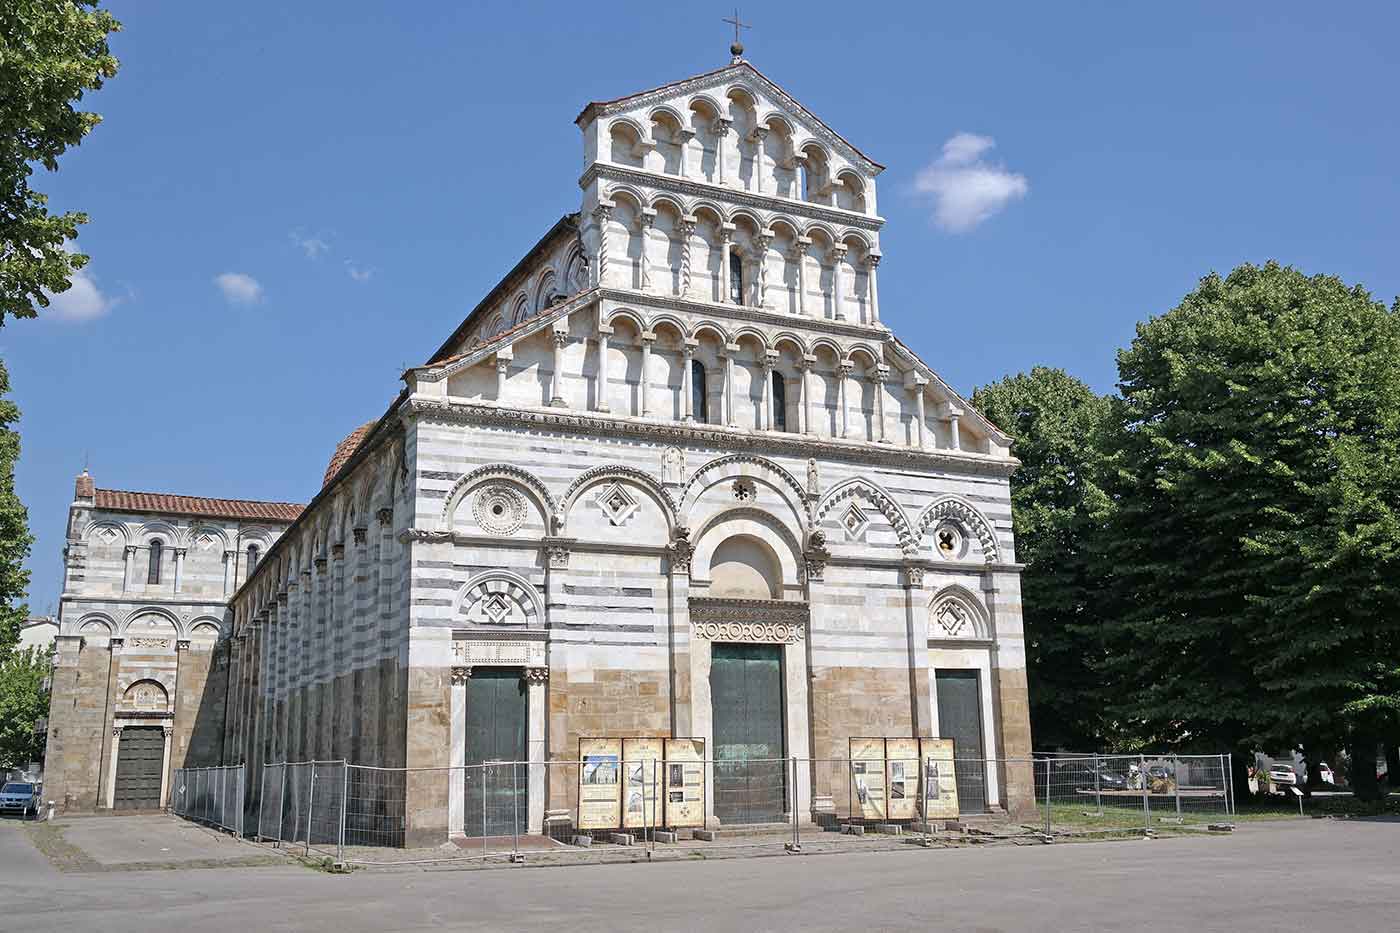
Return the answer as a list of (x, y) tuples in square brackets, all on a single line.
[(902, 778), (641, 768), (599, 783), (940, 785), (867, 778), (683, 784)]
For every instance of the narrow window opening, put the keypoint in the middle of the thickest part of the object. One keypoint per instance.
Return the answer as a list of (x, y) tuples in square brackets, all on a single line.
[(253, 555), (699, 392), (153, 573), (779, 402), (736, 278)]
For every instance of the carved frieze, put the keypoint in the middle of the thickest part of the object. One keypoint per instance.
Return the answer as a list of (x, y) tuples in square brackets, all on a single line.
[(771, 633)]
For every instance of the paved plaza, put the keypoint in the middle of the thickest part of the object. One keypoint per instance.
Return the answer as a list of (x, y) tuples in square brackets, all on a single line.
[(1306, 874)]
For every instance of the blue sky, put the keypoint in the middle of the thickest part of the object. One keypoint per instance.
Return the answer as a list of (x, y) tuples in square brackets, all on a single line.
[(361, 174)]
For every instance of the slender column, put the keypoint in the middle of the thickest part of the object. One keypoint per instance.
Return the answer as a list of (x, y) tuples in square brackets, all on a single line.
[(601, 402), (915, 383), (165, 769), (602, 214), (127, 561), (687, 389), (799, 162), (760, 259), (721, 130), (726, 232), (729, 350), (685, 229), (872, 262), (556, 384), (804, 366), (179, 567), (799, 257), (112, 769), (770, 360), (760, 133), (230, 565), (683, 138), (644, 224), (845, 376), (838, 255), (502, 370), (645, 387), (881, 374)]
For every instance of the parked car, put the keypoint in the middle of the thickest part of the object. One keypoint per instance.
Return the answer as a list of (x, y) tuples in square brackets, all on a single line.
[(20, 797), (1324, 770), (1102, 777), (1282, 777)]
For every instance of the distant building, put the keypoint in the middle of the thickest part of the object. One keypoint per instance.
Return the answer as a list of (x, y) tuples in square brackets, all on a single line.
[(38, 632)]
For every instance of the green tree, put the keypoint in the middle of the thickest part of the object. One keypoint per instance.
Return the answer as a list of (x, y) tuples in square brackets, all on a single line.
[(1254, 530), (24, 700), (51, 52), (15, 539), (1058, 511)]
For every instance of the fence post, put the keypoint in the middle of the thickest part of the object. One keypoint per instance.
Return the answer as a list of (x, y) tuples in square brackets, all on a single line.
[(1146, 803), (1228, 771), (796, 832), (310, 807), (242, 790), (344, 805), (1098, 788), (1047, 796), (282, 804), (484, 774), (515, 809), (1176, 781), (262, 800)]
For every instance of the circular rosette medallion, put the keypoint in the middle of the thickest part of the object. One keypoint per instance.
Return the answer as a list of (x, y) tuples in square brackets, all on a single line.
[(499, 510)]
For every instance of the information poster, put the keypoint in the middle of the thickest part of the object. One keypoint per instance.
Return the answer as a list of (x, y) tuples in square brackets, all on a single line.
[(599, 783), (940, 781), (684, 783), (641, 768), (867, 779), (902, 778)]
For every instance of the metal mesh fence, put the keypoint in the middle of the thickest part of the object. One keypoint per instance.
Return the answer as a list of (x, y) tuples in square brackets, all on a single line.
[(517, 809), (210, 795)]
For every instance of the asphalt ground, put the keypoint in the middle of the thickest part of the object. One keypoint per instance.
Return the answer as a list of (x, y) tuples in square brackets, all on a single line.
[(1296, 875)]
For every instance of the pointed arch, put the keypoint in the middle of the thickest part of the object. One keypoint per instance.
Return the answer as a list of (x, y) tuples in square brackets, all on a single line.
[(964, 514), (882, 500), (957, 612)]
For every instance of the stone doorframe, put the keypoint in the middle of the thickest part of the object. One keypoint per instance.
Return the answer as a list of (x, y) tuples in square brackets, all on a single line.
[(120, 722), (527, 652), (753, 621)]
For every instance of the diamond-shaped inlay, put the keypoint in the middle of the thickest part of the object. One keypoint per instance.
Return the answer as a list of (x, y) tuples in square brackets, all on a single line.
[(854, 521), (205, 542), (951, 617), (496, 608), (108, 535), (617, 503)]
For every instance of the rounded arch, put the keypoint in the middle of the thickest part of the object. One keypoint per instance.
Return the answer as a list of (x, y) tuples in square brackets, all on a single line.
[(831, 346), (601, 474), (860, 349), (820, 229), (749, 331), (575, 270), (544, 288), (790, 338), (118, 529), (206, 629), (525, 480), (665, 199), (712, 327), (155, 528), (626, 193), (668, 320), (745, 567), (665, 110), (780, 549), (151, 612), (730, 465), (713, 208), (500, 597), (777, 116), (95, 623), (863, 243), (704, 101), (957, 612), (786, 223), (751, 216), (627, 314), (966, 515), (147, 695), (882, 500)]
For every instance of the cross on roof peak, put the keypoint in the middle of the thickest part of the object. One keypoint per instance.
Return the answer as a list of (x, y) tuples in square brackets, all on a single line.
[(737, 49)]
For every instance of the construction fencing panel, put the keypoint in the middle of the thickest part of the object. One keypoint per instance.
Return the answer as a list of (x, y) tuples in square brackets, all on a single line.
[(1105, 792), (211, 795)]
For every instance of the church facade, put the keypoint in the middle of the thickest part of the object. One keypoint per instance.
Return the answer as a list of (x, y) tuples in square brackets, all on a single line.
[(673, 476)]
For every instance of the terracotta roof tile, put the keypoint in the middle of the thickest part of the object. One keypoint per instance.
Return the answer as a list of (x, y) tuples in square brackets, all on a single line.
[(345, 450), (121, 500)]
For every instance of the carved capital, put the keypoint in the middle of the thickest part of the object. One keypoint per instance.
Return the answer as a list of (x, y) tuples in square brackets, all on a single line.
[(337, 552), (115, 644), (603, 213), (915, 576), (359, 534), (460, 675), (681, 550), (560, 338), (536, 675), (558, 556), (182, 644), (320, 564), (169, 730), (385, 516), (847, 367), (116, 732)]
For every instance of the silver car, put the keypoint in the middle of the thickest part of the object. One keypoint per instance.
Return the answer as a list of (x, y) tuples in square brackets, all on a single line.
[(20, 797)]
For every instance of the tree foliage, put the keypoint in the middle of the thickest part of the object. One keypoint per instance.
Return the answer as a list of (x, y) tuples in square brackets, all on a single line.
[(1058, 509), (51, 52), (24, 700), (15, 539)]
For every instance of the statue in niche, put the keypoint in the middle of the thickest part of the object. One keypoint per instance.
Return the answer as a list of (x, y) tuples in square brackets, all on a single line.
[(813, 485), (673, 466)]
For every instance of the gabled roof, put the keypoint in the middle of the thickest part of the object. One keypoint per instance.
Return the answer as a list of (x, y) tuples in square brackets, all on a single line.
[(122, 500), (603, 107)]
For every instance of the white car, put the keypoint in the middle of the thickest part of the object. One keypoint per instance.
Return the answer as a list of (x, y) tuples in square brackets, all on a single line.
[(1325, 771), (1283, 777)]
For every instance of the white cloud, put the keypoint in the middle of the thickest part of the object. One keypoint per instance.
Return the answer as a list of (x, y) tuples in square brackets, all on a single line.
[(238, 288), (357, 272), (312, 245), (966, 189), (83, 300)]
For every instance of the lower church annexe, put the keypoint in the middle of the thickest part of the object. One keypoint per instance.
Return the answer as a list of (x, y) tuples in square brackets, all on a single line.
[(672, 478)]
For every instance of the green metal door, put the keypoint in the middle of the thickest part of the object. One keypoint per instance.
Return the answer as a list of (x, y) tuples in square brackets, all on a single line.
[(960, 719), (746, 697), (497, 717), (140, 755)]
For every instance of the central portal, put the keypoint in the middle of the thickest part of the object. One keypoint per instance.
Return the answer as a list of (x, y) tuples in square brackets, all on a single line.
[(497, 722), (746, 695)]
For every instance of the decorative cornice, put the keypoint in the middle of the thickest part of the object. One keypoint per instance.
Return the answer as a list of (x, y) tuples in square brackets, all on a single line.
[(700, 189), (713, 309), (677, 432), (705, 609)]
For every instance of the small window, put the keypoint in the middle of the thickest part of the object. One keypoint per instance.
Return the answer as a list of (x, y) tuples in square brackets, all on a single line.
[(153, 573), (779, 402), (736, 278), (253, 555), (699, 392)]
